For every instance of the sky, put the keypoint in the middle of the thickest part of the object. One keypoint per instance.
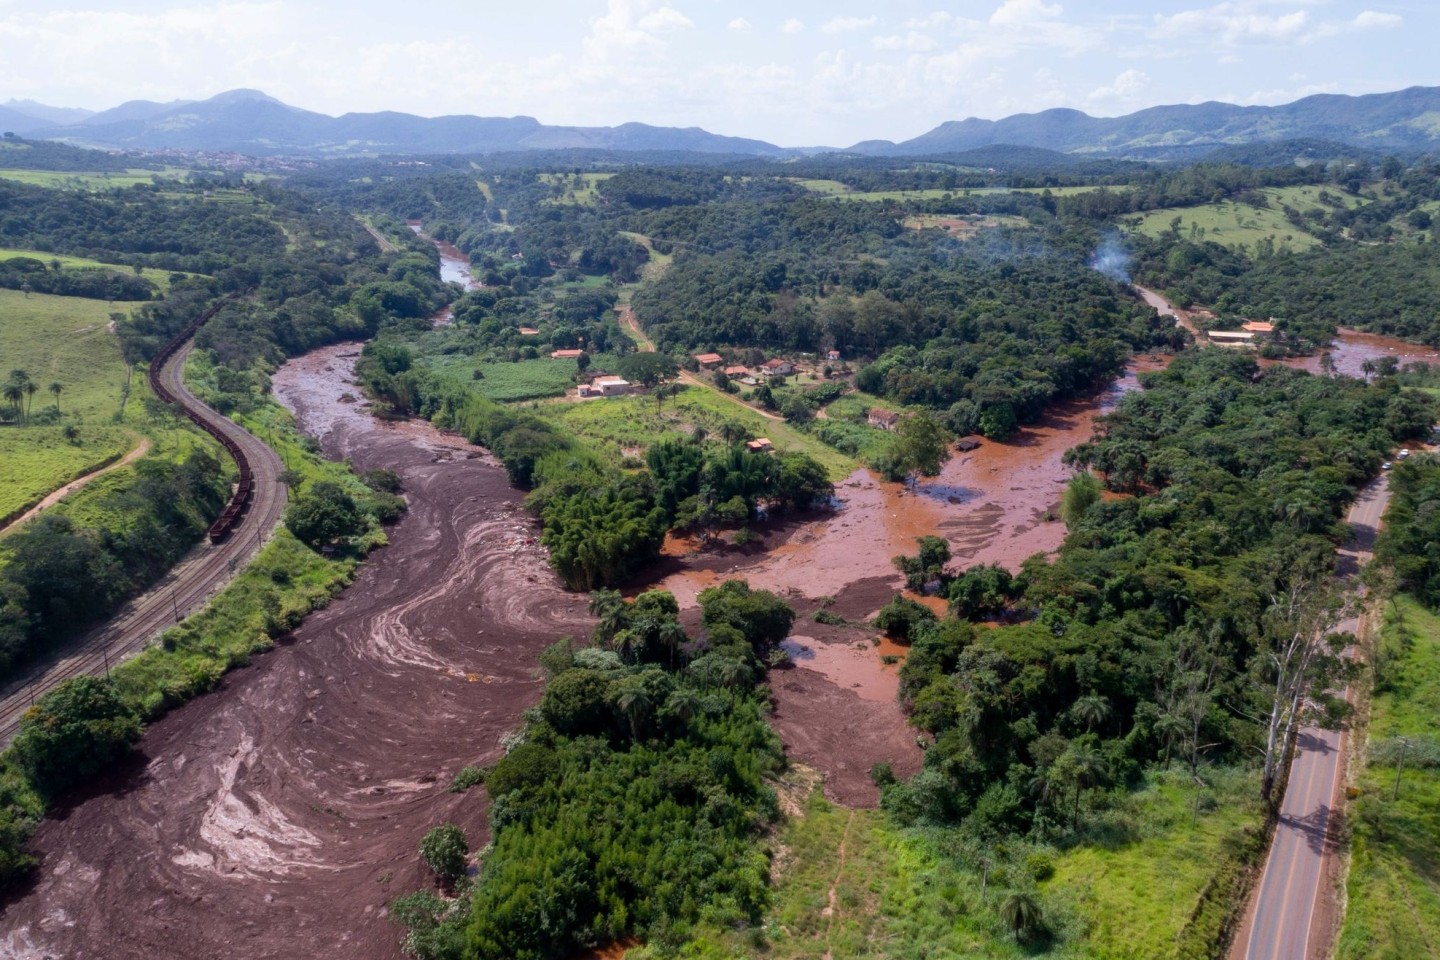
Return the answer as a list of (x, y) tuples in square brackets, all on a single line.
[(793, 73)]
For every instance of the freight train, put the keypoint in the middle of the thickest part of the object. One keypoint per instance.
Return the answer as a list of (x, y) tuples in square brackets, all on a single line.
[(245, 489)]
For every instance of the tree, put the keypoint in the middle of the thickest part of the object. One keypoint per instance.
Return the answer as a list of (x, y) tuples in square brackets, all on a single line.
[(647, 367), (761, 617), (927, 566), (55, 389), (74, 732), (1091, 710), (1296, 661), (444, 849), (1021, 913), (31, 388), (323, 514), (920, 448), (1081, 493), (636, 702)]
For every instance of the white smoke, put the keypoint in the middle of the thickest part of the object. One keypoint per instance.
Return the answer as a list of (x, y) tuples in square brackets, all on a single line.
[(1111, 259)]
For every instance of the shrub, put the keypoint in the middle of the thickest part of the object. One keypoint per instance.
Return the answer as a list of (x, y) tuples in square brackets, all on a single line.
[(444, 849), (75, 731)]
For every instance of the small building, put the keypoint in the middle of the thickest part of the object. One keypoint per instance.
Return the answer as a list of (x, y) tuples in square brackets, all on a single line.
[(884, 419), (777, 368), (966, 444), (529, 332), (1231, 338), (709, 360), (759, 445), (832, 355), (1258, 326), (605, 387), (565, 354), (737, 371)]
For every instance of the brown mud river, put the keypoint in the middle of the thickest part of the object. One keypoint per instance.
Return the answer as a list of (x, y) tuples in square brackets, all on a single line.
[(277, 817)]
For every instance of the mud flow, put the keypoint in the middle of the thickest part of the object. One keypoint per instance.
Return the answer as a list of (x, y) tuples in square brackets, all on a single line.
[(278, 817)]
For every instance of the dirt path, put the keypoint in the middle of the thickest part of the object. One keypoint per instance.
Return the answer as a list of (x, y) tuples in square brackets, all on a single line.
[(277, 818), (833, 909), (386, 246), (55, 496)]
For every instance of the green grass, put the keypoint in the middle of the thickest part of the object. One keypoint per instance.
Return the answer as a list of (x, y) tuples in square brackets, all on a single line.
[(580, 188), (900, 893), (64, 340), (1393, 890), (1231, 224), (160, 278), (512, 382), (72, 180), (620, 424)]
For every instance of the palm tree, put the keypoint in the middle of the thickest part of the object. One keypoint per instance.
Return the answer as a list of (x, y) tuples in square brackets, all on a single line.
[(684, 703), (1021, 913), (31, 388), (55, 388), (1368, 368), (14, 393), (636, 702), (614, 615), (1086, 769), (627, 644), (671, 635), (732, 432), (1091, 710), (699, 434)]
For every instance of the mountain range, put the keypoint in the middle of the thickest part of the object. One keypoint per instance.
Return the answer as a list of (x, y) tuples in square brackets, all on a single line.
[(248, 121)]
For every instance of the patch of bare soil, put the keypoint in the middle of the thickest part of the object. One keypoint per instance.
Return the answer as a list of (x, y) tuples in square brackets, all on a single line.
[(278, 818)]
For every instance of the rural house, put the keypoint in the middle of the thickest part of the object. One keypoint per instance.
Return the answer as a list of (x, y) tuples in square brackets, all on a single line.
[(777, 368), (759, 445), (708, 361), (884, 419), (605, 387), (565, 354), (737, 371)]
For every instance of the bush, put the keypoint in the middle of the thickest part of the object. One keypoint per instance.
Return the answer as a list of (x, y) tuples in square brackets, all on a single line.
[(902, 618), (466, 777), (323, 514), (74, 732), (444, 849)]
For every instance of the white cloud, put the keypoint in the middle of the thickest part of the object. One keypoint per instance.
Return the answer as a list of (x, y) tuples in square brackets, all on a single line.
[(913, 41), (1124, 87), (1369, 19), (1243, 21), (792, 26), (739, 23), (1025, 11), (848, 24), (665, 18)]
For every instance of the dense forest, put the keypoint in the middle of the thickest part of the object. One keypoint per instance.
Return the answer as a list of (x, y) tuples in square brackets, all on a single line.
[(635, 799), (1146, 637)]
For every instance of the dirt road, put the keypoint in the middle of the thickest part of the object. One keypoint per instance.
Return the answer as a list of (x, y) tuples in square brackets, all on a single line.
[(279, 816), (1292, 913), (187, 588), (55, 496)]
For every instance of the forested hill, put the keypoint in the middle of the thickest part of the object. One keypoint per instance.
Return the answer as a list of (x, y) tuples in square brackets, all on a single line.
[(248, 121)]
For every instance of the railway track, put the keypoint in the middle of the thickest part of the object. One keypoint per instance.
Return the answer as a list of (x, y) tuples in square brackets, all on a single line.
[(252, 513)]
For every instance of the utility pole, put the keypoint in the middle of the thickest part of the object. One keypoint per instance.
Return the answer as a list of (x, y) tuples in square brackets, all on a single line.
[(1399, 767)]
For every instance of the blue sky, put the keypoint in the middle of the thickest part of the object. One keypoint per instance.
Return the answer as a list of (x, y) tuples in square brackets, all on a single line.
[(793, 73)]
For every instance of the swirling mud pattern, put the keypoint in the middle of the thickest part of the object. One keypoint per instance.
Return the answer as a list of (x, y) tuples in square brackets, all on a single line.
[(277, 817)]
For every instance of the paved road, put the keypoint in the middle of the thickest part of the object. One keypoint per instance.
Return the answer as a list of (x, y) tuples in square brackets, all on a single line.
[(1287, 924), (186, 589)]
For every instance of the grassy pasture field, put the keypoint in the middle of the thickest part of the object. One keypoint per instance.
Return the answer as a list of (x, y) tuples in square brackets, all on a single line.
[(1230, 224), (1393, 890), (632, 423), (853, 884), (64, 340), (161, 278), (512, 382), (580, 188), (72, 180)]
